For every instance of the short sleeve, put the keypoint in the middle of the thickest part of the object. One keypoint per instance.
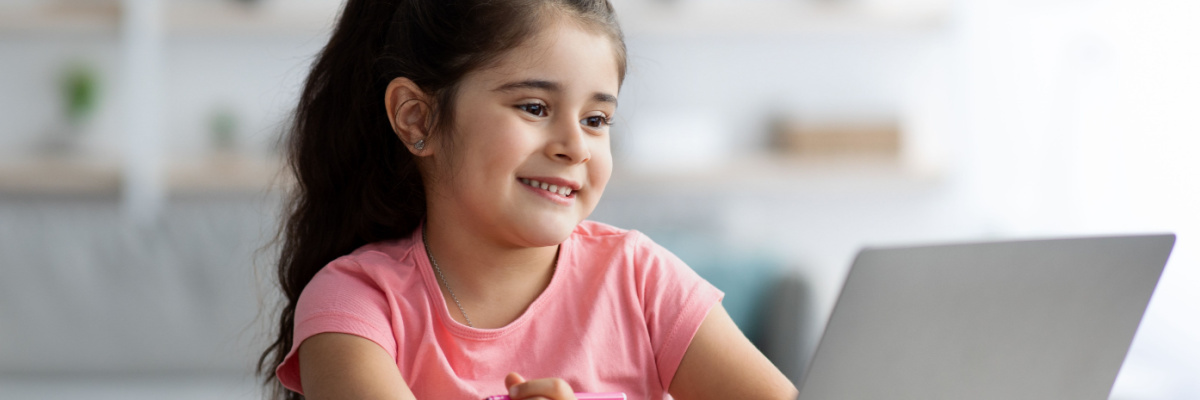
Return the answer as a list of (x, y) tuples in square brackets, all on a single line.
[(675, 300), (341, 298)]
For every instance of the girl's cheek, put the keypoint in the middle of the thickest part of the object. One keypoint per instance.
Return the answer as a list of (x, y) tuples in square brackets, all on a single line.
[(602, 170)]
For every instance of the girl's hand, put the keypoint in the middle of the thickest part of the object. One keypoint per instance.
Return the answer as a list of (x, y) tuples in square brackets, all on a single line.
[(538, 389)]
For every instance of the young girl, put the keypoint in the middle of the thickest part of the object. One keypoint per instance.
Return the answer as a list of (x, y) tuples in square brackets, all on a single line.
[(447, 154)]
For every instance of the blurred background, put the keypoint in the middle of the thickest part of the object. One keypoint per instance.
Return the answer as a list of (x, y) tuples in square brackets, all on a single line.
[(764, 141)]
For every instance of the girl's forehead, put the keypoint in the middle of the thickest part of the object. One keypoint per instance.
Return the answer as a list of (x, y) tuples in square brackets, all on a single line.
[(563, 51)]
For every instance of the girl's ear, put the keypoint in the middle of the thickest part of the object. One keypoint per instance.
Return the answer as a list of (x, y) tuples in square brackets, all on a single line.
[(409, 111)]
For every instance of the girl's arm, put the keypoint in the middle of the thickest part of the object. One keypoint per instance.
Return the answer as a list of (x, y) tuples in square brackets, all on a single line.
[(341, 366), (721, 363)]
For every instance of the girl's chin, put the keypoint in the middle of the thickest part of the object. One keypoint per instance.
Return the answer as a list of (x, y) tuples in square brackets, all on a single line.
[(549, 234)]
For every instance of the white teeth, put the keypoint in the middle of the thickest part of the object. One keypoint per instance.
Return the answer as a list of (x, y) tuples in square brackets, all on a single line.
[(560, 190)]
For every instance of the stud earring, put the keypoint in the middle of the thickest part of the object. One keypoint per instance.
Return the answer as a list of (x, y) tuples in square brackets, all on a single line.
[(419, 145)]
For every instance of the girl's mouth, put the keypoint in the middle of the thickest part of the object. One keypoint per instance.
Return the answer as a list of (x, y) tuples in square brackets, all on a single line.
[(559, 190)]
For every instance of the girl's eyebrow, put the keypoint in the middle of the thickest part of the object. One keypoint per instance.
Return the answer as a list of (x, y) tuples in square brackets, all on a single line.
[(530, 84), (604, 98), (551, 87)]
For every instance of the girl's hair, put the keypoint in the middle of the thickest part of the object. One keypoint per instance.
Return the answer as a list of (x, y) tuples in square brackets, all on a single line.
[(356, 183)]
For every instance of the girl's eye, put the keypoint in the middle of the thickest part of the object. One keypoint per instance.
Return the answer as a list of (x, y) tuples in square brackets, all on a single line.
[(533, 108), (597, 121)]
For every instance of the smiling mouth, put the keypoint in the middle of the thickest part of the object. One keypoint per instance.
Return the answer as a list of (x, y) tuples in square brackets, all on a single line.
[(559, 190)]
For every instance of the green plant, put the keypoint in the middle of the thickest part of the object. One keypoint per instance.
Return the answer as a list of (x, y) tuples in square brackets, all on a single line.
[(80, 87)]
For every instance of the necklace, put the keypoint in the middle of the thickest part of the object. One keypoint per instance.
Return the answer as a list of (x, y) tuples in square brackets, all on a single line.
[(443, 279)]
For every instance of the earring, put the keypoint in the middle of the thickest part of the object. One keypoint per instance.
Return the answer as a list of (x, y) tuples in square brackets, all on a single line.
[(419, 145)]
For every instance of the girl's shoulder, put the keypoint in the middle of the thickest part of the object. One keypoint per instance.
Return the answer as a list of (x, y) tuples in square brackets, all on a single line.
[(390, 250), (592, 233), (598, 237), (593, 229), (387, 262)]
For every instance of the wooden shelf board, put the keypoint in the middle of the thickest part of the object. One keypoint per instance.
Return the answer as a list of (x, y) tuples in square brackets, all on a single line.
[(774, 173), (60, 176), (51, 18), (224, 173)]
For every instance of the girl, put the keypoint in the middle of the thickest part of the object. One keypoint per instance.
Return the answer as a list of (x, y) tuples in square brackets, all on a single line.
[(446, 156)]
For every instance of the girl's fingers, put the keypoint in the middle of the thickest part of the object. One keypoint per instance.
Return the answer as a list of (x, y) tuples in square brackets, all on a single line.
[(512, 379), (545, 388)]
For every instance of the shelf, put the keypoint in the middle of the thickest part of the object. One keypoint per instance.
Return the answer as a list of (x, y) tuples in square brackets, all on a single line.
[(638, 17), (228, 18), (57, 18), (187, 18), (226, 173), (72, 176), (768, 173), (61, 176), (690, 18)]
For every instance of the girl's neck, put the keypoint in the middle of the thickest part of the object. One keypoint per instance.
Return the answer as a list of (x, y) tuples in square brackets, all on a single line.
[(481, 270)]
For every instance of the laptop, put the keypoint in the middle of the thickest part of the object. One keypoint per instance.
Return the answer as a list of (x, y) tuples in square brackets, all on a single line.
[(1039, 319)]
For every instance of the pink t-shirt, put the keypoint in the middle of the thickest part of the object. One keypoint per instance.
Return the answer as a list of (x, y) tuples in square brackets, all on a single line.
[(616, 317)]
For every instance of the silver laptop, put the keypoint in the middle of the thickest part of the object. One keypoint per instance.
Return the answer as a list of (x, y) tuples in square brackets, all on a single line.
[(1044, 319)]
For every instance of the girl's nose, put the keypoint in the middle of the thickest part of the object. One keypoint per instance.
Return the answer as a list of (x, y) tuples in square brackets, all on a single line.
[(568, 143)]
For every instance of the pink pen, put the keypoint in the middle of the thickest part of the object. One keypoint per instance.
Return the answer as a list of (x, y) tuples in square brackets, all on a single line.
[(580, 396)]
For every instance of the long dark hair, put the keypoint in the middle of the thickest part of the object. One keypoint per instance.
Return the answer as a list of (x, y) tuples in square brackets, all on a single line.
[(355, 182)]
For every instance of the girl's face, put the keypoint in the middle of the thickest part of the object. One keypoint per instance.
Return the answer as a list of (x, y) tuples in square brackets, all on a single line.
[(536, 118)]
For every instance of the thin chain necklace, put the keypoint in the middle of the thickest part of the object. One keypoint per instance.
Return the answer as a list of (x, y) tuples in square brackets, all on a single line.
[(442, 276)]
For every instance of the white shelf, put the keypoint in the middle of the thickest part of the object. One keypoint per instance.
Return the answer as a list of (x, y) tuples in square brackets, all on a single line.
[(227, 18), (690, 18), (188, 18), (637, 17)]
